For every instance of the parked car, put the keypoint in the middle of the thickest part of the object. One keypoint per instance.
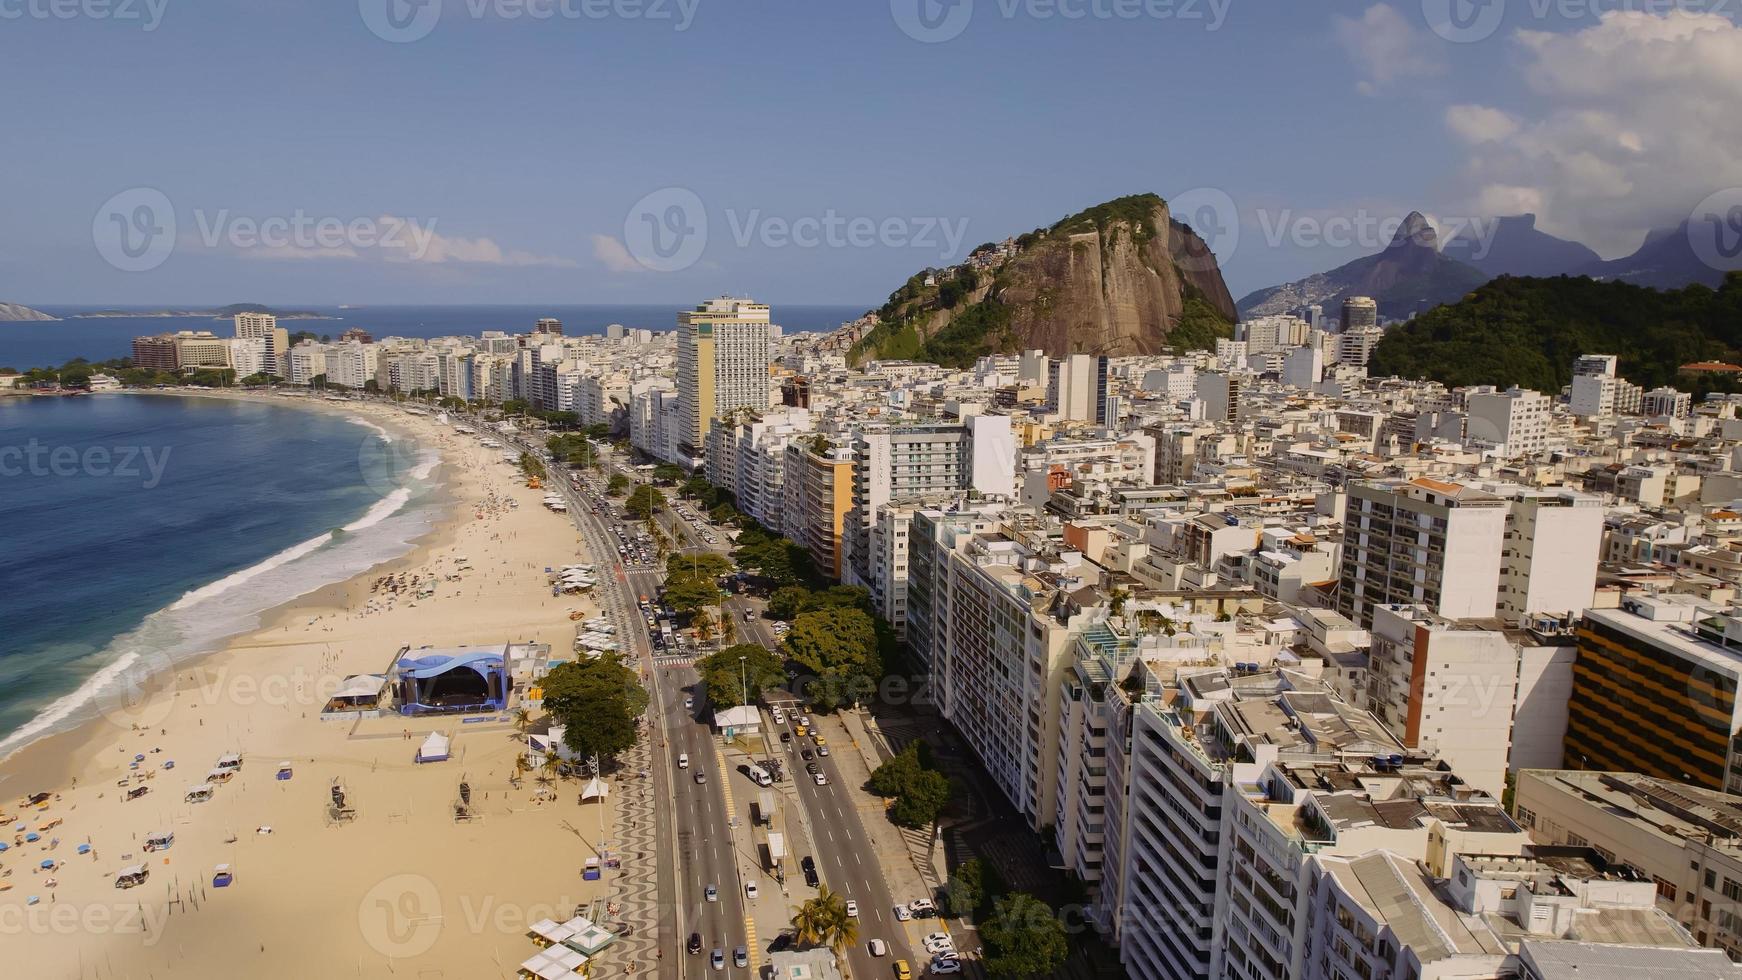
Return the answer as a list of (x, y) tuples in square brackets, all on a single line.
[(946, 964), (902, 914)]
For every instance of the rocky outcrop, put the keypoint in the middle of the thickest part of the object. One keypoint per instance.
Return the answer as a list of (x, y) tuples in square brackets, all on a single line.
[(1118, 279)]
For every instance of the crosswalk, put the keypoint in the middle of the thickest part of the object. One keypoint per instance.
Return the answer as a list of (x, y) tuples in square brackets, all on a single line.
[(675, 660)]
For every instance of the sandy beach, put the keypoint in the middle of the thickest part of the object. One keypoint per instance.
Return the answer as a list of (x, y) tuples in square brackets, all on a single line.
[(403, 889)]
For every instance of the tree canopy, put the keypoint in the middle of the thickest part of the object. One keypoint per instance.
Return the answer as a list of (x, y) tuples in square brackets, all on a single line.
[(839, 647), (920, 791), (1023, 937), (688, 593), (706, 564), (598, 701), (823, 921), (725, 683), (1527, 332), (643, 501)]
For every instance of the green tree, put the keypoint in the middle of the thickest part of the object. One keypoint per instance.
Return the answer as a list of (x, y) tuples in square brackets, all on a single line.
[(688, 593), (643, 501), (839, 647), (597, 700), (1024, 938), (823, 921), (617, 485), (704, 564), (972, 887), (668, 473), (788, 601), (888, 779), (922, 800), (725, 684)]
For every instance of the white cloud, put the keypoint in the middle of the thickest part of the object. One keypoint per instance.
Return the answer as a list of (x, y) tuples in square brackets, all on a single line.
[(1480, 124), (1637, 124), (426, 245), (1385, 47), (614, 255)]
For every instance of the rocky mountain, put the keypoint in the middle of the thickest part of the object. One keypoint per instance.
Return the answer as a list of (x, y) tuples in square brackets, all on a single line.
[(1511, 246), (1410, 276), (1121, 278), (1666, 260), (12, 312)]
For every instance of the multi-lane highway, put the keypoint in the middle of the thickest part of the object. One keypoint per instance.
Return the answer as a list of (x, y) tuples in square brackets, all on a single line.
[(696, 846)]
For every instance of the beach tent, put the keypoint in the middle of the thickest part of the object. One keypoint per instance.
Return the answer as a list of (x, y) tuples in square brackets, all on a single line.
[(133, 874), (549, 932), (585, 937), (231, 761), (596, 789), (162, 840), (284, 770), (435, 748), (554, 963), (221, 876), (200, 793)]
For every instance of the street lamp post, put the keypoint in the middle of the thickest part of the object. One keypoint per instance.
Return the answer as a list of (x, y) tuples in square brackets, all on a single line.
[(743, 680)]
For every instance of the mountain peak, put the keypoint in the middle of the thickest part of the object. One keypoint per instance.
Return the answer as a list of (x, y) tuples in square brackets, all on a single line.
[(1416, 231)]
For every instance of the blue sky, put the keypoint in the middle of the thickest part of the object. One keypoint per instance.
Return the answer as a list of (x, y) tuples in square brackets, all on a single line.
[(507, 158)]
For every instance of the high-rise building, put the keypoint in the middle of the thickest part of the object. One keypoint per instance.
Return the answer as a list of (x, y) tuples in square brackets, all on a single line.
[(264, 326), (1076, 389), (549, 326), (1421, 541), (1654, 692), (1360, 313), (722, 365), (201, 349), (155, 353)]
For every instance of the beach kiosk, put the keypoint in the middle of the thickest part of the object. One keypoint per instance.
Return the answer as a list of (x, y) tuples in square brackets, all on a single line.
[(131, 876), (222, 877), (161, 840), (591, 872), (435, 748), (231, 762), (220, 775), (200, 793), (284, 771)]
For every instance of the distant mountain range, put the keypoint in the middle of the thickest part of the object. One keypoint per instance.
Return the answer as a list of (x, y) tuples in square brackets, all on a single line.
[(1413, 275), (1410, 276), (13, 313)]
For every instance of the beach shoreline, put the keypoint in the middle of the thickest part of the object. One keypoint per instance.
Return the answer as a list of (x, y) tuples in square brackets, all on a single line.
[(481, 559)]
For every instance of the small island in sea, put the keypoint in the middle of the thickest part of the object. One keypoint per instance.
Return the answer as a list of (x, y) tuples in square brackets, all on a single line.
[(222, 313), (15, 313)]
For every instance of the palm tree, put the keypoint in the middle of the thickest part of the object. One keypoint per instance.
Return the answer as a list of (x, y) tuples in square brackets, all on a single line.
[(522, 719), (551, 769), (823, 921), (1116, 601)]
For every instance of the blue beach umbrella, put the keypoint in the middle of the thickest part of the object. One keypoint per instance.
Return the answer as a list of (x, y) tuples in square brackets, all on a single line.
[(32, 837), (48, 863), (5, 846), (84, 848)]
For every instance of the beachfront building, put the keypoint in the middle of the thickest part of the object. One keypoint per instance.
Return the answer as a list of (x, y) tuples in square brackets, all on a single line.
[(722, 366), (429, 680)]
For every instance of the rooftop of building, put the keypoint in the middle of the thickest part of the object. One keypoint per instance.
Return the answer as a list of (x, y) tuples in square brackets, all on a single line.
[(1672, 811), (1564, 960)]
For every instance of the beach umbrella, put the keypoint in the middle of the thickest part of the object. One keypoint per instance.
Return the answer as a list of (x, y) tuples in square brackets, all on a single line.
[(5, 846), (84, 848), (48, 863), (170, 764), (18, 826), (139, 758), (32, 837)]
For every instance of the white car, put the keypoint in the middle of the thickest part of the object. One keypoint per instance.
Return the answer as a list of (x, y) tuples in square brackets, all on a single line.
[(946, 964), (920, 905), (940, 942), (853, 909), (750, 889), (822, 778), (877, 947), (902, 914)]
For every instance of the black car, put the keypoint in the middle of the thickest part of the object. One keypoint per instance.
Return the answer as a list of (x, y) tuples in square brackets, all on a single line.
[(786, 736), (695, 943), (806, 754), (813, 769), (810, 871)]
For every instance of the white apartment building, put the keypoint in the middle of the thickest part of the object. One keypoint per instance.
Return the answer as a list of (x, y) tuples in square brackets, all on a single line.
[(1271, 333), (264, 326), (247, 355), (1076, 389), (1603, 396), (307, 361), (1421, 541), (1666, 402), (722, 365), (1220, 392), (656, 419), (1550, 552), (352, 365), (1445, 688), (1513, 422)]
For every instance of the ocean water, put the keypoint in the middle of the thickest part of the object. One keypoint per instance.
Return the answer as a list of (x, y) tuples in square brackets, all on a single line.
[(52, 343), (137, 531)]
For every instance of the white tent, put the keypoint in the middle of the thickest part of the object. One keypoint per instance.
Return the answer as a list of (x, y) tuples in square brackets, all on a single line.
[(596, 789), (435, 748), (554, 963)]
